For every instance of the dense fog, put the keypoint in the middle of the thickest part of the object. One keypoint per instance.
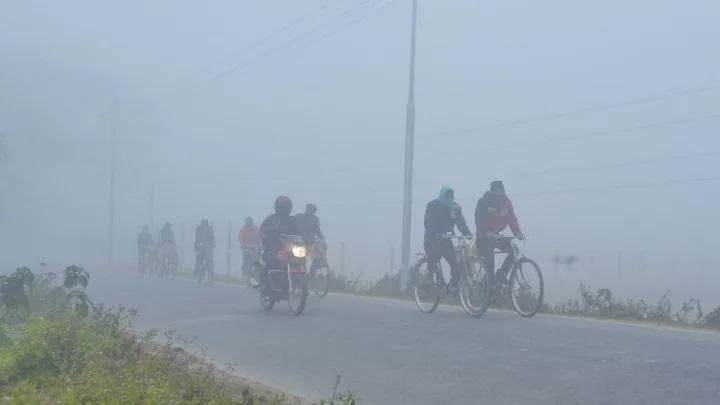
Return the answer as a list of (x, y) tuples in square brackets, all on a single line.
[(601, 118)]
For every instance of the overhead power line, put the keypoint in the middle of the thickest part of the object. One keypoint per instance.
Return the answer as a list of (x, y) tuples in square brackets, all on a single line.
[(570, 138), (621, 186), (307, 33), (580, 190), (603, 107), (590, 168)]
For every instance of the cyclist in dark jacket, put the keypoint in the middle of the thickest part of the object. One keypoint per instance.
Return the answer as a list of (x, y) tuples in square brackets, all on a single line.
[(442, 215), (204, 244), (309, 225), (167, 237), (145, 243), (494, 212)]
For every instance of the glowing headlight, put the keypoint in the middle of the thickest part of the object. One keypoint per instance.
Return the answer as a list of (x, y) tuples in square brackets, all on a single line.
[(299, 251)]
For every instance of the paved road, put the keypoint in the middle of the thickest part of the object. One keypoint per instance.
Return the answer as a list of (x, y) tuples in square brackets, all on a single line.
[(389, 353)]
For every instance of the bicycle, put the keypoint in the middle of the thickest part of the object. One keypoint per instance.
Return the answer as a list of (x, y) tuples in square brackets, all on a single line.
[(524, 286), (320, 274), (475, 284), (204, 263)]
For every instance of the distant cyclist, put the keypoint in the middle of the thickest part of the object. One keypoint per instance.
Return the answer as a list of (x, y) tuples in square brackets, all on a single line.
[(442, 215), (250, 244), (166, 242), (144, 244), (494, 212), (204, 245)]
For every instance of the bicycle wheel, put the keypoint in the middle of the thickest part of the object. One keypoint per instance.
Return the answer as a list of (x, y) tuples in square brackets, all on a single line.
[(426, 290), (320, 279), (475, 288), (266, 301), (526, 288), (297, 292)]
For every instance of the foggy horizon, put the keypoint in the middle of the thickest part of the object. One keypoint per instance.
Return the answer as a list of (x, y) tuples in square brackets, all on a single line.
[(601, 119)]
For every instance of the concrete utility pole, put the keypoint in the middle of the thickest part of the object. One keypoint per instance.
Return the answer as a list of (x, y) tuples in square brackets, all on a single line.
[(113, 140), (152, 206), (229, 248), (409, 146)]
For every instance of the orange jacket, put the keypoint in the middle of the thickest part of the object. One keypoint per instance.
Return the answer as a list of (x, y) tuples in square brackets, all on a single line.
[(249, 236)]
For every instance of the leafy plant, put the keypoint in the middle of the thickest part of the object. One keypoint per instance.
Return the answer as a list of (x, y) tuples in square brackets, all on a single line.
[(712, 319), (75, 277), (14, 292)]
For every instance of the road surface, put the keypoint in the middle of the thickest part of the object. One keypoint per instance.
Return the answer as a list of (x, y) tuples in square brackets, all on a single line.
[(389, 353)]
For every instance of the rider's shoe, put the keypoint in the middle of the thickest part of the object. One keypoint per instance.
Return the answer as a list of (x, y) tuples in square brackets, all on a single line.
[(501, 279)]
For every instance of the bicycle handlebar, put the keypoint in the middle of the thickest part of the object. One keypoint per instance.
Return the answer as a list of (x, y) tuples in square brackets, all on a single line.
[(457, 237)]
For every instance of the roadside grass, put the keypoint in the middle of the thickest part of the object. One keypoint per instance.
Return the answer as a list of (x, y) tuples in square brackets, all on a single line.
[(600, 304), (59, 347)]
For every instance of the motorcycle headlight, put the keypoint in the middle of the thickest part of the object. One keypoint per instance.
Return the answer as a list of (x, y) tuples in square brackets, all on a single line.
[(299, 251)]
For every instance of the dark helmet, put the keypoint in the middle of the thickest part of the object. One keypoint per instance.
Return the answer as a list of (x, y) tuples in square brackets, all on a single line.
[(248, 221), (283, 205), (497, 187), (311, 208), (167, 225)]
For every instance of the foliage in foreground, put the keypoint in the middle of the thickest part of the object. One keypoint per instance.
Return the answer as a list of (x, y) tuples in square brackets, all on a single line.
[(59, 347)]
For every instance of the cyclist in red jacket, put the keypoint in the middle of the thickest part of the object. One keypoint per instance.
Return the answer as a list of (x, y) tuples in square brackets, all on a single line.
[(494, 212)]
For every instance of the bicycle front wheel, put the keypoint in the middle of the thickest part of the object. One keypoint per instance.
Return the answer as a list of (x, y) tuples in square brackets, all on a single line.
[(427, 291), (527, 288), (297, 292), (475, 288)]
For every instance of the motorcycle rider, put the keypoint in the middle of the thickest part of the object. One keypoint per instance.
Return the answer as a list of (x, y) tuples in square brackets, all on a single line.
[(250, 243), (442, 215), (494, 212), (275, 225), (204, 244), (144, 244), (309, 225)]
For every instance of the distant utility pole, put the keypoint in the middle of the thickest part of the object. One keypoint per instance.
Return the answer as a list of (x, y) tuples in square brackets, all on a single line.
[(229, 248), (113, 141), (409, 146), (152, 206)]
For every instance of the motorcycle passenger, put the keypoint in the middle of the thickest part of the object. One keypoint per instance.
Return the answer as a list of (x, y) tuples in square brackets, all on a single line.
[(204, 244), (250, 244), (275, 225), (494, 212), (442, 215), (144, 244), (309, 225)]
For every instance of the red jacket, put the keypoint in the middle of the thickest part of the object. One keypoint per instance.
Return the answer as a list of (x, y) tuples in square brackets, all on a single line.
[(494, 213)]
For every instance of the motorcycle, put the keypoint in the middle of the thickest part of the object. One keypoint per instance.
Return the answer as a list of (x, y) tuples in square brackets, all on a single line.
[(290, 282)]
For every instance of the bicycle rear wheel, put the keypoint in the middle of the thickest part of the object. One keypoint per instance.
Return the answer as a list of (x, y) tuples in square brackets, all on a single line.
[(320, 279), (475, 288), (426, 290), (526, 288)]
